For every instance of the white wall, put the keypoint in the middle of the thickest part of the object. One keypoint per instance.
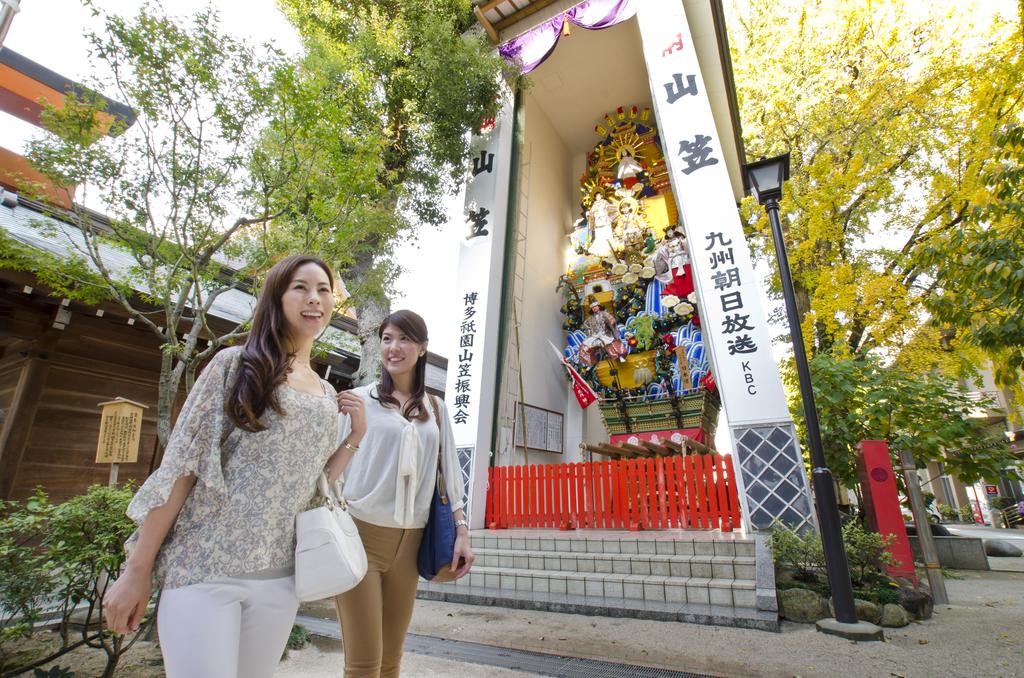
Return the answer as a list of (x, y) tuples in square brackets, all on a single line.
[(547, 198)]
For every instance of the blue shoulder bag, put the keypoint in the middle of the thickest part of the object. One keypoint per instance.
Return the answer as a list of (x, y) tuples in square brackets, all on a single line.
[(434, 560)]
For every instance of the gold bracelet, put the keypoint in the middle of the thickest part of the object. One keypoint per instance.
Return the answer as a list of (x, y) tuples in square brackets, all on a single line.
[(347, 444)]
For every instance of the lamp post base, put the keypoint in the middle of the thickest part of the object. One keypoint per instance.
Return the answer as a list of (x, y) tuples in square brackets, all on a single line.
[(857, 631)]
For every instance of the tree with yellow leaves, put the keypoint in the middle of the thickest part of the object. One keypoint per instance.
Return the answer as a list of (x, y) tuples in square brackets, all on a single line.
[(890, 111)]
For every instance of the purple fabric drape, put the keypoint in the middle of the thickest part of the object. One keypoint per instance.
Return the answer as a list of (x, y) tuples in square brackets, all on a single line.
[(531, 48)]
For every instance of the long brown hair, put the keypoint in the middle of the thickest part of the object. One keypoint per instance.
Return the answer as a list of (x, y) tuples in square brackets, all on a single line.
[(265, 361), (416, 329)]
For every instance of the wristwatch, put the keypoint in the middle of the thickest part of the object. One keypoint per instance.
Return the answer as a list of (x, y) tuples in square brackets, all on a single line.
[(461, 522)]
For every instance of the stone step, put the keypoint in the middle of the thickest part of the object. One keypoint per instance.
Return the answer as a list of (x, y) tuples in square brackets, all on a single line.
[(654, 588), (706, 566), (693, 613), (661, 542)]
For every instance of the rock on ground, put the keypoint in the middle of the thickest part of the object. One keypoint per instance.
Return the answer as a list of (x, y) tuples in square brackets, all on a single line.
[(864, 609), (1000, 548), (917, 603), (801, 605), (894, 616)]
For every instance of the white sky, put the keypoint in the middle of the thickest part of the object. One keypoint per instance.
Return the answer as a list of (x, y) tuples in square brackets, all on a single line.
[(50, 32)]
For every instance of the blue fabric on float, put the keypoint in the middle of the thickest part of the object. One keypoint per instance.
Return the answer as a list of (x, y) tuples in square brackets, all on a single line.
[(652, 302), (691, 338)]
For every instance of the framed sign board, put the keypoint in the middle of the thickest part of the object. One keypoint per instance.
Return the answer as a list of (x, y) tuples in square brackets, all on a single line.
[(544, 429), (120, 432)]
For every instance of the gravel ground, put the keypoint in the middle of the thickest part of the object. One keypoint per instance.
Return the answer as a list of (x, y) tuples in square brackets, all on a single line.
[(982, 633)]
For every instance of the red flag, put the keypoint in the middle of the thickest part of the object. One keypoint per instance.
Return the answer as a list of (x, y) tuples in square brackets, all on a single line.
[(584, 394)]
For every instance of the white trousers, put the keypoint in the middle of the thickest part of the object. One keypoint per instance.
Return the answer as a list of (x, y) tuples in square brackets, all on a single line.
[(226, 627)]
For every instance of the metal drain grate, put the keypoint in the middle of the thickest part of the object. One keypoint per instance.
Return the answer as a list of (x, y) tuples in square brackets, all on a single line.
[(538, 663)]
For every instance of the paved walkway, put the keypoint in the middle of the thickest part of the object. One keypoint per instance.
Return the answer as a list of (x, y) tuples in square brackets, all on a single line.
[(979, 634)]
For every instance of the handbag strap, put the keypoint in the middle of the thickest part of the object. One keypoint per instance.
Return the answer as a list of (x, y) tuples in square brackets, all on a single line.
[(330, 498), (442, 489)]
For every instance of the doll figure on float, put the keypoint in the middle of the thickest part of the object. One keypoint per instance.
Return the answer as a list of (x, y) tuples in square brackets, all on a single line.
[(672, 264), (600, 217), (582, 236), (628, 168), (602, 334), (630, 225)]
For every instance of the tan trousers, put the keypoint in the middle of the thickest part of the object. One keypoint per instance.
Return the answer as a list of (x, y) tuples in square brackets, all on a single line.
[(375, 615)]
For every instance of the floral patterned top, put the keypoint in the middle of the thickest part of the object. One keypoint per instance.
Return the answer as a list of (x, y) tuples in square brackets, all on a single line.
[(239, 518)]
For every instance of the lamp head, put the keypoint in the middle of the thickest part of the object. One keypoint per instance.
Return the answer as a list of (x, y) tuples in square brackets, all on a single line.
[(764, 178)]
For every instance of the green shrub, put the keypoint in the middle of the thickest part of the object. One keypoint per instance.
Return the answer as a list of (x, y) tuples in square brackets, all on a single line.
[(800, 551), (883, 591), (27, 574), (54, 672), (946, 511), (966, 512), (85, 537), (298, 638), (1001, 503), (63, 557), (866, 551)]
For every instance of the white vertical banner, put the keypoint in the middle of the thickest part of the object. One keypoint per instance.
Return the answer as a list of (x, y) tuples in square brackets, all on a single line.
[(472, 360), (772, 477), (732, 319)]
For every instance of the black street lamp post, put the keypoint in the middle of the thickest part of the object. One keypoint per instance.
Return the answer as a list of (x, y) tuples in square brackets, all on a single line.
[(765, 178)]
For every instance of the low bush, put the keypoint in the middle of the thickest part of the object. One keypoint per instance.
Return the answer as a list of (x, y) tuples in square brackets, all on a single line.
[(59, 559), (866, 551), (946, 511), (27, 577), (801, 552), (966, 512), (1002, 503), (883, 592), (298, 638)]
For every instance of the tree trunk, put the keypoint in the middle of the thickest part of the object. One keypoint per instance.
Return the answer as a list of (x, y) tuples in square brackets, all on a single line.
[(371, 310), (111, 667), (168, 387), (370, 313)]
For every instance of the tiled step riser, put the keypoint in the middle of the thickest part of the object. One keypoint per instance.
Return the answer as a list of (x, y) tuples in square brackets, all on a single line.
[(703, 592), (639, 546), (694, 576), (718, 567)]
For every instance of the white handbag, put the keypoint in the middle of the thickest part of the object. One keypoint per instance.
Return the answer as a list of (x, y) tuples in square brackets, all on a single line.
[(329, 555)]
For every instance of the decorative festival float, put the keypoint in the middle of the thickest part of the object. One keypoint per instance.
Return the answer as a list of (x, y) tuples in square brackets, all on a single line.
[(601, 222), (633, 344), (630, 309)]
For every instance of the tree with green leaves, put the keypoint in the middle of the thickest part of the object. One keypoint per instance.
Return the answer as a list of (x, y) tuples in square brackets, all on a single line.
[(929, 415), (334, 203), (226, 135), (978, 267), (422, 84)]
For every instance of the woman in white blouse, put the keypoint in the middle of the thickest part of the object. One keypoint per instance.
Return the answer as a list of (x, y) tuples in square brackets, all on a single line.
[(390, 471)]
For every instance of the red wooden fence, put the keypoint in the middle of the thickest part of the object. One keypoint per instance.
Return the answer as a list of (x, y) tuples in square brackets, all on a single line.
[(695, 491)]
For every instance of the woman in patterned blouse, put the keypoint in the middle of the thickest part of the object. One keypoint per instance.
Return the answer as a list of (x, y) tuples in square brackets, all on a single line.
[(217, 530)]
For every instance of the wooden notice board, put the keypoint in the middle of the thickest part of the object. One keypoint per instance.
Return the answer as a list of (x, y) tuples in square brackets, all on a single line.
[(120, 432), (543, 428)]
